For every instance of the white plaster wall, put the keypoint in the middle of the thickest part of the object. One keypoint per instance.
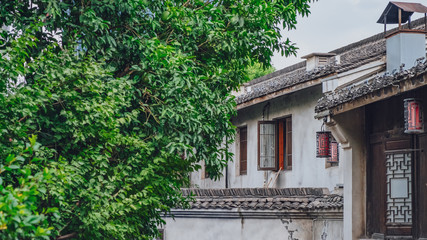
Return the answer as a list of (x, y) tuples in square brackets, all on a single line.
[(198, 179), (311, 63), (405, 48), (328, 229), (251, 229), (352, 125), (355, 76), (307, 170)]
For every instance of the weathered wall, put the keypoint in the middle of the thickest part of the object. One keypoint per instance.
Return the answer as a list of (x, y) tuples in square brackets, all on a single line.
[(248, 229), (307, 170), (350, 77), (199, 180), (352, 126), (405, 48)]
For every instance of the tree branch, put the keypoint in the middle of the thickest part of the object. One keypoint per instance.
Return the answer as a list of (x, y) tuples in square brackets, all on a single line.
[(23, 118), (207, 3), (186, 3), (167, 39), (67, 236), (203, 43)]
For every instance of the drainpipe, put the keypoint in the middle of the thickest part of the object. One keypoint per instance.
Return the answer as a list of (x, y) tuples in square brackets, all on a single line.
[(265, 179), (228, 160), (226, 176), (265, 109), (312, 228)]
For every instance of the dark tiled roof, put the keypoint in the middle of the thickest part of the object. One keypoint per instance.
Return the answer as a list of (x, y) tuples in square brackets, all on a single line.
[(341, 96), (359, 56), (351, 56), (350, 59), (283, 81), (277, 73), (302, 199)]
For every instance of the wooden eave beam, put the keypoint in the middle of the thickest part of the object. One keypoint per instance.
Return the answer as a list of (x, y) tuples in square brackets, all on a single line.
[(381, 94), (287, 90)]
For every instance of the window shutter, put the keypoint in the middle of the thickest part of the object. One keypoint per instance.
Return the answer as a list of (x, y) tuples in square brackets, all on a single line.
[(267, 145), (288, 143), (281, 144), (243, 150)]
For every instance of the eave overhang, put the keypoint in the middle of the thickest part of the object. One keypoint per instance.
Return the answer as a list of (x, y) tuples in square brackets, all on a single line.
[(335, 213), (378, 89), (282, 92), (259, 203)]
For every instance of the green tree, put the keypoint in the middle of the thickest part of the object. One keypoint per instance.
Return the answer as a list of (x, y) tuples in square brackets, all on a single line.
[(258, 70), (107, 106)]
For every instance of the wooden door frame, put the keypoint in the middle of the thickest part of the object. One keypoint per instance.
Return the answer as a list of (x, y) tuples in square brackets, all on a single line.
[(391, 140)]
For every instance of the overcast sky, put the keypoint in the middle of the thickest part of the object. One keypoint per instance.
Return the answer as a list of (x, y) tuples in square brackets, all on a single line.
[(335, 23)]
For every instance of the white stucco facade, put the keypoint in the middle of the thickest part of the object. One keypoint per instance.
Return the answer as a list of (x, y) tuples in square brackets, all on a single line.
[(244, 227), (307, 170), (209, 222)]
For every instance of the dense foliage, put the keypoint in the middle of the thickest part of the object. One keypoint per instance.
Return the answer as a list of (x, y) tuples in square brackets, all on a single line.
[(107, 106), (258, 70)]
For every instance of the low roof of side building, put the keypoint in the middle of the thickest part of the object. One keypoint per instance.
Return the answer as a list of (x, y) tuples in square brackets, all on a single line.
[(262, 201)]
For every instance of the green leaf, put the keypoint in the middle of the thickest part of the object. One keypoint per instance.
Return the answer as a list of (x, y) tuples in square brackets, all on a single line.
[(13, 167)]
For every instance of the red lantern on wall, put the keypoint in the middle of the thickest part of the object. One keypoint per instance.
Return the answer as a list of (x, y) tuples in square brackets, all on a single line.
[(323, 139), (334, 152), (414, 122)]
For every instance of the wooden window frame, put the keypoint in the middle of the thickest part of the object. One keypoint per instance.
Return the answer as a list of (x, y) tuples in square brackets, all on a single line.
[(274, 168), (243, 171), (283, 144), (204, 175), (285, 134), (162, 234)]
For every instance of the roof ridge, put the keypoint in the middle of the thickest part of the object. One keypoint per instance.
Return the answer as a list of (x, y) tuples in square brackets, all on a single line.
[(272, 75), (323, 201), (418, 22), (256, 192), (379, 36)]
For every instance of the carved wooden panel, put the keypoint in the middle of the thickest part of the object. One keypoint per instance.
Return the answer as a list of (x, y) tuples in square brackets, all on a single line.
[(399, 188)]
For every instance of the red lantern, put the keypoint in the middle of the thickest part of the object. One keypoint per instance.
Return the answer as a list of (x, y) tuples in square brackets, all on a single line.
[(414, 122), (334, 152), (323, 139)]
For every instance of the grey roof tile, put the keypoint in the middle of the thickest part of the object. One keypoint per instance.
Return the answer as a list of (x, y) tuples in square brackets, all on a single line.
[(303, 199)]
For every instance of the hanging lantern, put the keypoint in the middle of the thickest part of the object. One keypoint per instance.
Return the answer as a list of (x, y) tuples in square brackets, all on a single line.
[(414, 122), (334, 152), (323, 139)]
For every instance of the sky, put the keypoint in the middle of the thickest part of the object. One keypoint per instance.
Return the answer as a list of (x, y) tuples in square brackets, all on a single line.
[(333, 24)]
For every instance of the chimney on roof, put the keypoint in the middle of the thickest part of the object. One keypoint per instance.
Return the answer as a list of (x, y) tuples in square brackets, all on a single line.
[(316, 60), (403, 46)]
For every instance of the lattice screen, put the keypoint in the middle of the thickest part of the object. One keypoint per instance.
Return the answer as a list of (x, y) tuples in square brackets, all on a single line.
[(399, 192)]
